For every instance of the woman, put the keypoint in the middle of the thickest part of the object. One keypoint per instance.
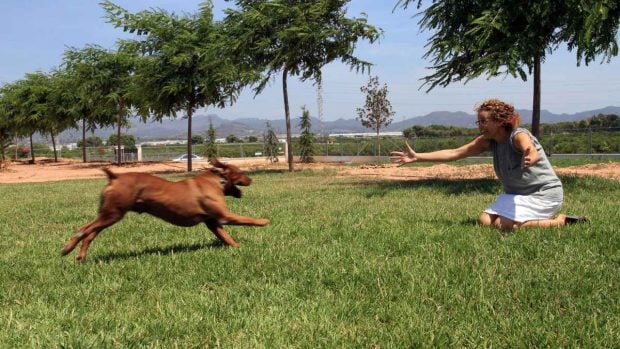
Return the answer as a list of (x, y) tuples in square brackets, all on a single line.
[(532, 191)]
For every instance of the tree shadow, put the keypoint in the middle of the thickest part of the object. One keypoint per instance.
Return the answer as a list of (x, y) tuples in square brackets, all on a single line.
[(164, 251), (252, 171), (445, 186)]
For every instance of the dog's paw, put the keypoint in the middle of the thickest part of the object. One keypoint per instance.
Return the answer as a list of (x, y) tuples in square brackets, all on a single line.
[(262, 222)]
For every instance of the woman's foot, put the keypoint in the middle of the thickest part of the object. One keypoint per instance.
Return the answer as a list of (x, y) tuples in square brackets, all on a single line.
[(568, 220)]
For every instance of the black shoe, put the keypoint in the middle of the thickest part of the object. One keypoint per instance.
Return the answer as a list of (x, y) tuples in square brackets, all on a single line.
[(575, 219)]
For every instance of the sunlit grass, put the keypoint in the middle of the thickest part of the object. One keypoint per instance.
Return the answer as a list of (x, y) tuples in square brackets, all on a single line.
[(345, 262)]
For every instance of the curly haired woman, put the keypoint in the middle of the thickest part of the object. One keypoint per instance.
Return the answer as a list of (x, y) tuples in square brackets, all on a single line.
[(532, 194)]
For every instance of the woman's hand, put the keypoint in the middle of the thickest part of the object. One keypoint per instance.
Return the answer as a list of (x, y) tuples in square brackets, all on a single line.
[(405, 157), (524, 144), (530, 157)]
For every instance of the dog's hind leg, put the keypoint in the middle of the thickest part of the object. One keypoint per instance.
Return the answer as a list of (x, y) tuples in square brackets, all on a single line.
[(88, 232), (76, 238), (219, 231)]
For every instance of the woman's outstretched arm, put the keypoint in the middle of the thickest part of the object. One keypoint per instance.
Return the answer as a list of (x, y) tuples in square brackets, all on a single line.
[(472, 148)]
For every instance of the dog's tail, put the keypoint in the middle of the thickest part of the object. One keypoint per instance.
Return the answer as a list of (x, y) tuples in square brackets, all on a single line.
[(111, 175)]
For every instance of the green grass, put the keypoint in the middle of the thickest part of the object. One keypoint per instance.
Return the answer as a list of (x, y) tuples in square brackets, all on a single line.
[(345, 263)]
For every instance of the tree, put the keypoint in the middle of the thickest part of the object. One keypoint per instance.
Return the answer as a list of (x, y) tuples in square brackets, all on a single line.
[(306, 139), (272, 144), (91, 142), (295, 38), (83, 79), (186, 66), (211, 149), (377, 110), (197, 139), (59, 114), (127, 141), (103, 82), (25, 103), (6, 126), (231, 138), (473, 37)]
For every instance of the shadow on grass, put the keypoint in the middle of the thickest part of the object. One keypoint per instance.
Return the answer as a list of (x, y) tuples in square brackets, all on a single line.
[(164, 251), (251, 171), (572, 182), (445, 186)]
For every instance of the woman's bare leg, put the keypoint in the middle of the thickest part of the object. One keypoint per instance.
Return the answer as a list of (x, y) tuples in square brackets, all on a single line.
[(504, 223), (488, 220), (558, 221)]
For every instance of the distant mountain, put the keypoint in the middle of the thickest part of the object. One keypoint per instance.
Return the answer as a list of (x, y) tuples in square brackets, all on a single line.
[(446, 118), (177, 128)]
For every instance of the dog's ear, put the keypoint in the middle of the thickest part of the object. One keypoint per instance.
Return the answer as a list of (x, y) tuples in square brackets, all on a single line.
[(233, 174), (216, 163)]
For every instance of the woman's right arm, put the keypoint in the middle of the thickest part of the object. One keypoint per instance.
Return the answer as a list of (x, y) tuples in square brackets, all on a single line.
[(472, 148)]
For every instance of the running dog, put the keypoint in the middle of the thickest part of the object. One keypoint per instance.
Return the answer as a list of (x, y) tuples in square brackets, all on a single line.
[(186, 203)]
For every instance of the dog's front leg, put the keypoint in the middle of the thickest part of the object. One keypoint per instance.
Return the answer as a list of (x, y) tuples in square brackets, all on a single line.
[(219, 231), (233, 219)]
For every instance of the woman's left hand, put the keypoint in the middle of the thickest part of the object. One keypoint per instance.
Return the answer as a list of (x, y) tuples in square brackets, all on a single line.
[(530, 157), (405, 157)]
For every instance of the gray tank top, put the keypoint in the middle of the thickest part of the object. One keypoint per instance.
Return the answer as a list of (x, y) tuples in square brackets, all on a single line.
[(539, 180)]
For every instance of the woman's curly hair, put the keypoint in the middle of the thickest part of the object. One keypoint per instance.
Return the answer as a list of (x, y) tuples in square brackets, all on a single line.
[(502, 112)]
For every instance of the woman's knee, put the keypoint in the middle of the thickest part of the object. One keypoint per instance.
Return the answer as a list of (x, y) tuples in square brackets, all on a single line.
[(504, 223), (487, 219)]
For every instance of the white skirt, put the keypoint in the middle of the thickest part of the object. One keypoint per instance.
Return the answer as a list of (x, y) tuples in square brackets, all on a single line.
[(523, 208)]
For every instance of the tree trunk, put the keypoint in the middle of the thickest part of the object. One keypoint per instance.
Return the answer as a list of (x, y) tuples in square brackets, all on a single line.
[(54, 146), (377, 145), (287, 116), (31, 150), (536, 102), (2, 148), (189, 136), (84, 140), (121, 107)]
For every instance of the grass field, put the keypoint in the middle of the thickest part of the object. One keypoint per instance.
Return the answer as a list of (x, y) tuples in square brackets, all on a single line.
[(345, 263)]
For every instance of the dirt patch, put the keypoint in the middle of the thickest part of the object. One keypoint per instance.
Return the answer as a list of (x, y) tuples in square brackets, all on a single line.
[(444, 171), (45, 170)]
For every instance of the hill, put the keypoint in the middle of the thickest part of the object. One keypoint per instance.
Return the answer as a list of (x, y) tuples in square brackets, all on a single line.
[(177, 128)]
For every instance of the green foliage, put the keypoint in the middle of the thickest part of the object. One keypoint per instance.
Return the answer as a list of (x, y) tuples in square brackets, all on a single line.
[(306, 137), (128, 141), (272, 145), (106, 82), (210, 149), (473, 37), (186, 62), (377, 111), (7, 127), (95, 141), (233, 139), (296, 38), (374, 263), (197, 139)]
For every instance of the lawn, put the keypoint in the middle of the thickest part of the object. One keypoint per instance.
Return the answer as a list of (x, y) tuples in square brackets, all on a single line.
[(346, 262)]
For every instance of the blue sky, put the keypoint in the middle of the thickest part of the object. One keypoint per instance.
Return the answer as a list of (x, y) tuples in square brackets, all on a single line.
[(37, 32)]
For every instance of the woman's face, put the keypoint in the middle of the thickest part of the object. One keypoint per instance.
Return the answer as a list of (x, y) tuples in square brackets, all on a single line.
[(488, 127)]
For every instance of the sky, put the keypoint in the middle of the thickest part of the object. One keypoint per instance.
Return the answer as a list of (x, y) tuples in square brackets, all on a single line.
[(37, 32)]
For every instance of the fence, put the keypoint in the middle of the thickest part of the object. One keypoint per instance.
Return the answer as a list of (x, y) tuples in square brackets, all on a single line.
[(592, 143)]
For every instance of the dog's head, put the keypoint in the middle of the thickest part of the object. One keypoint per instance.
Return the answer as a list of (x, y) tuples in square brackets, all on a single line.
[(232, 176)]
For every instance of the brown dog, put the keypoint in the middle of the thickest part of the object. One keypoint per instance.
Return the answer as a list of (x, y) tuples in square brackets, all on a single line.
[(184, 203)]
